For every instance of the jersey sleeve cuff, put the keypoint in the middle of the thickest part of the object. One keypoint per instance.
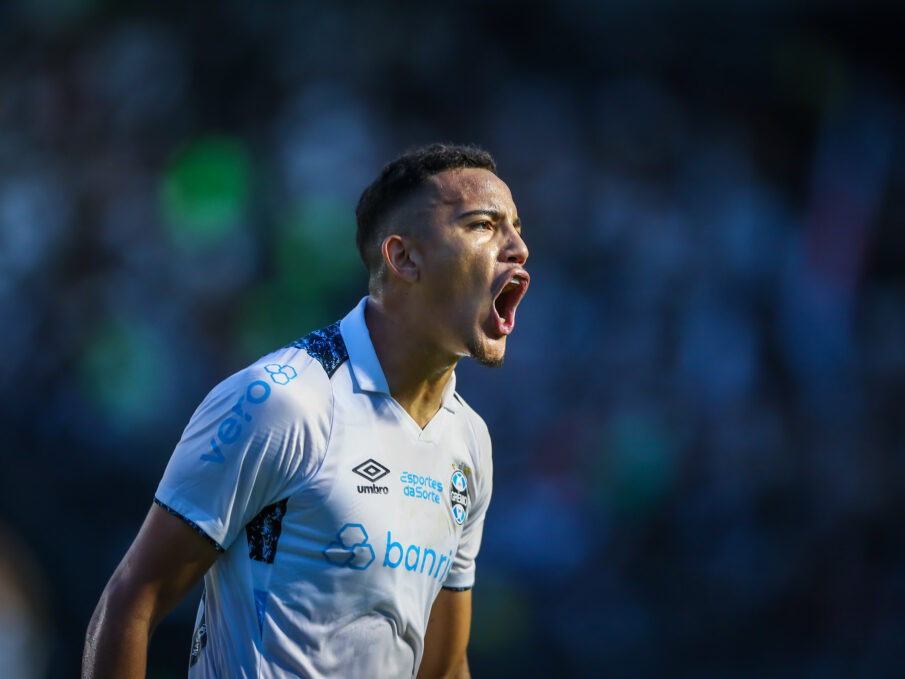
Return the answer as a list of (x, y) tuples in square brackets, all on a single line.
[(456, 589), (459, 580), (194, 526)]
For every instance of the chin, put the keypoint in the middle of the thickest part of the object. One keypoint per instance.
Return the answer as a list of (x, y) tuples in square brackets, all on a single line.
[(489, 356)]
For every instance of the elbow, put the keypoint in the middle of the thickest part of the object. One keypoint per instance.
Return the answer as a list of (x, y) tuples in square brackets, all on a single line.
[(123, 604), (117, 636)]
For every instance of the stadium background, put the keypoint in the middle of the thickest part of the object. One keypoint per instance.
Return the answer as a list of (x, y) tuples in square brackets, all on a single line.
[(699, 427)]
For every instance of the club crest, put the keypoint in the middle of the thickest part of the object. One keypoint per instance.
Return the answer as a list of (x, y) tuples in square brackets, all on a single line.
[(458, 494)]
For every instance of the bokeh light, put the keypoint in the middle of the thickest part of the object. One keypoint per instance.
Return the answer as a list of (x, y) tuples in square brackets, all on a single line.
[(205, 191)]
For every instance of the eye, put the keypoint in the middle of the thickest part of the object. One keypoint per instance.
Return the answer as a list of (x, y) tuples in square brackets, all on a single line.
[(483, 225)]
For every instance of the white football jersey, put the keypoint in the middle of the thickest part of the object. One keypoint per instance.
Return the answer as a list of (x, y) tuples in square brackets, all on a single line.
[(339, 518)]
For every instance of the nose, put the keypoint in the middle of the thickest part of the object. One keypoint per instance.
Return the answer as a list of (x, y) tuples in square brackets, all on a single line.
[(515, 250)]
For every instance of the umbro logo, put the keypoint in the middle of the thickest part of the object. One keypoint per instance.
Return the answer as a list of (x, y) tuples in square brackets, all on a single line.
[(371, 470)]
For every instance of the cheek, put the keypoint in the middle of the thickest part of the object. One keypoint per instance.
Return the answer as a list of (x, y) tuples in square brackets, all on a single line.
[(479, 262), (474, 278), (461, 270), (463, 274)]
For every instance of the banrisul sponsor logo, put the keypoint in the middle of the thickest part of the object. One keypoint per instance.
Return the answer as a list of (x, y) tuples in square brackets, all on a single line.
[(351, 549), (458, 492), (373, 471), (416, 558), (231, 426)]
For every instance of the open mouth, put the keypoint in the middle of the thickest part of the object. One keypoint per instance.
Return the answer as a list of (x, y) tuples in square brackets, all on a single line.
[(507, 299)]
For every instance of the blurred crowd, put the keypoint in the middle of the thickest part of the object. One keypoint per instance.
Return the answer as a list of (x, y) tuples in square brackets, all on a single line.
[(698, 431)]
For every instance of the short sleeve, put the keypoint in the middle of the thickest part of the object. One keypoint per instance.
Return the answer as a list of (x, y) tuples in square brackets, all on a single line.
[(462, 573), (255, 437)]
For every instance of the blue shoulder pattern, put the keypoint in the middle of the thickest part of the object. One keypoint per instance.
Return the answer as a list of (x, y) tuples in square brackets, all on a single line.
[(326, 346)]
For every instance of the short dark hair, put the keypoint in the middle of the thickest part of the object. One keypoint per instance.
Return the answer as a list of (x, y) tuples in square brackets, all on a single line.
[(403, 177)]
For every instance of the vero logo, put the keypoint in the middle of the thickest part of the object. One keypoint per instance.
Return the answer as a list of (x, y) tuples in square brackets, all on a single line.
[(230, 428)]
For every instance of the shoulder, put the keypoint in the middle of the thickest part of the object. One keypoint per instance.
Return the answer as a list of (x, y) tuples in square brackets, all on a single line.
[(478, 436), (286, 385), (326, 346), (474, 422), (286, 379)]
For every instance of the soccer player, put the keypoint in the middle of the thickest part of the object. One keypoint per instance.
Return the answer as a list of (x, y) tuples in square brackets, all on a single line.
[(332, 494)]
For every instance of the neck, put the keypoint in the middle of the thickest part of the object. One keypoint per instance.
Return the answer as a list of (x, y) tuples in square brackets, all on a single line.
[(416, 371)]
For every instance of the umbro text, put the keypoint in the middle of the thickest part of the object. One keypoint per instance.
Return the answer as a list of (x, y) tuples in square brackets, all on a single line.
[(374, 489)]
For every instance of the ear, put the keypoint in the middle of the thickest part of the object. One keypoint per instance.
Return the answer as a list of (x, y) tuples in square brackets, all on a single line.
[(401, 258)]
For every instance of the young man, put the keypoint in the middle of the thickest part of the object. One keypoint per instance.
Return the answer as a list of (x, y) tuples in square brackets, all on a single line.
[(332, 494)]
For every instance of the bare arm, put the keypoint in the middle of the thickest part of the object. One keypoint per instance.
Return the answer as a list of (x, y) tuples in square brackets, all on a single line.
[(447, 637), (164, 562)]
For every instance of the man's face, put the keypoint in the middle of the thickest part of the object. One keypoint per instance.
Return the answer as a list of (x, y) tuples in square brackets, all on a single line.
[(471, 274)]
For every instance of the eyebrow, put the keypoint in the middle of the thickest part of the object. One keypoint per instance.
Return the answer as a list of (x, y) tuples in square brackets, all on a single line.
[(493, 214)]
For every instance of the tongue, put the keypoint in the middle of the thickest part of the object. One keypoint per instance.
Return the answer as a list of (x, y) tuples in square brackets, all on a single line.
[(503, 318)]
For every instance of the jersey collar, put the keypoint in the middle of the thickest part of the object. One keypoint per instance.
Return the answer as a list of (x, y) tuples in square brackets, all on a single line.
[(365, 364)]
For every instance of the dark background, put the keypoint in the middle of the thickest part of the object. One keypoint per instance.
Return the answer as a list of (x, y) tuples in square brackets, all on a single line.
[(699, 428)]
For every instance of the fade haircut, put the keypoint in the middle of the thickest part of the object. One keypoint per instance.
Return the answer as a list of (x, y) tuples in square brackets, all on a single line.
[(399, 180)]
